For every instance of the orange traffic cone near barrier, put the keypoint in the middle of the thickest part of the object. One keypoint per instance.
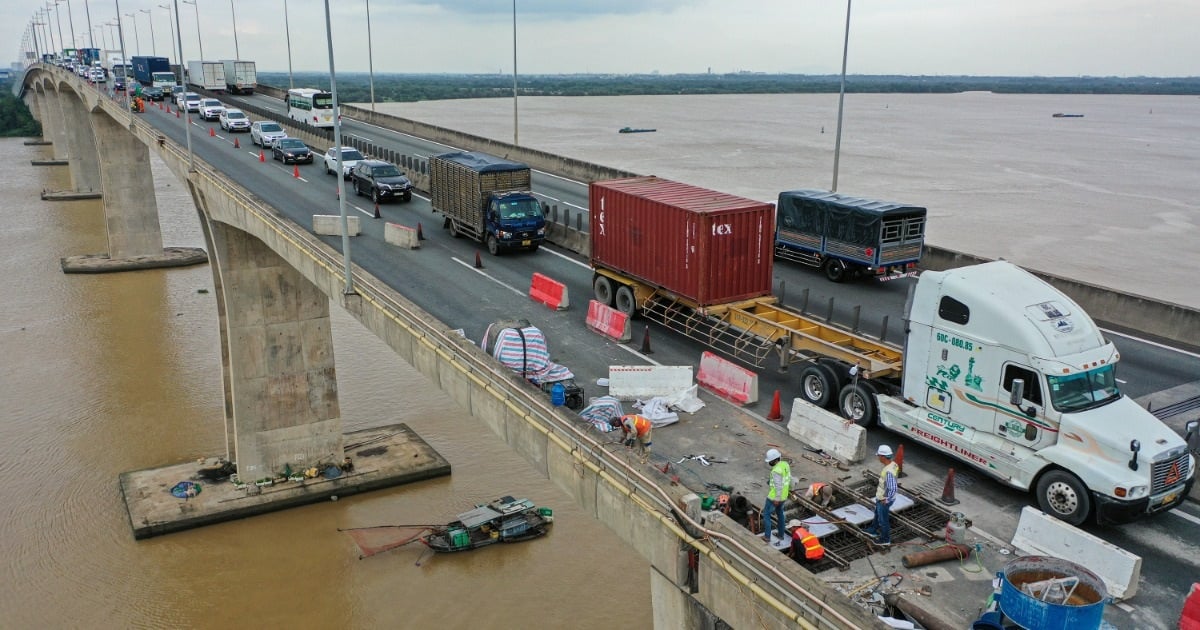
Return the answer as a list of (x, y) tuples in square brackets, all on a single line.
[(775, 413), (177, 113), (261, 157), (900, 460), (948, 490), (212, 133), (420, 234), (235, 144), (376, 209), (646, 342), (296, 171), (478, 262)]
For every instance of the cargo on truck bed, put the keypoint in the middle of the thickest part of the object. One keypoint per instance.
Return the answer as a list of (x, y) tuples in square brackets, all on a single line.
[(486, 198)]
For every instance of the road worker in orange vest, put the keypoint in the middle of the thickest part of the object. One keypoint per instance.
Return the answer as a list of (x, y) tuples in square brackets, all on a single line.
[(820, 493), (636, 428), (805, 546)]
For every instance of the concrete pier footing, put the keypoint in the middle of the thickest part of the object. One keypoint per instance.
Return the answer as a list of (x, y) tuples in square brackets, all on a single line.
[(70, 195), (50, 162), (386, 456), (103, 263)]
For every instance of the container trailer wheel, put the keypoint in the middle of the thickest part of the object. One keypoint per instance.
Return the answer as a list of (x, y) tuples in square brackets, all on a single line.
[(819, 385), (1063, 496), (857, 402), (625, 302), (602, 289)]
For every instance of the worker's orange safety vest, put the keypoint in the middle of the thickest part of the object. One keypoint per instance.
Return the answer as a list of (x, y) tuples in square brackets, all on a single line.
[(641, 425), (812, 545)]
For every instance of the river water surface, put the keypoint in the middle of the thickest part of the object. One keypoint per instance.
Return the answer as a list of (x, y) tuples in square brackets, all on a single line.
[(108, 373)]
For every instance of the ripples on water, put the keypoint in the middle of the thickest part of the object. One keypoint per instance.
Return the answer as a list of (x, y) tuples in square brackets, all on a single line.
[(108, 373)]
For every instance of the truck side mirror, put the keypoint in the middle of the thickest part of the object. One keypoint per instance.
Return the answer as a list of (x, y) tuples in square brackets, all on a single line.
[(1018, 392), (1134, 446), (1193, 428)]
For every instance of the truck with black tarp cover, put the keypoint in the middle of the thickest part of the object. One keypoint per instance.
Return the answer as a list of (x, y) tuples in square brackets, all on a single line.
[(849, 236), (486, 198)]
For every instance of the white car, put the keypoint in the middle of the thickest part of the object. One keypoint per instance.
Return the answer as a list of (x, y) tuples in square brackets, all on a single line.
[(96, 75), (211, 108), (188, 100), (234, 120), (350, 157), (266, 132)]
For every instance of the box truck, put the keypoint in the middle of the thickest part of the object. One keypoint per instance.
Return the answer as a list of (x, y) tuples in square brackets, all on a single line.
[(155, 71), (240, 76), (207, 75), (486, 198)]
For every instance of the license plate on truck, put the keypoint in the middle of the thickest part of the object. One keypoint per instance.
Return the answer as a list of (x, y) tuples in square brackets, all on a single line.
[(1168, 499), (526, 243)]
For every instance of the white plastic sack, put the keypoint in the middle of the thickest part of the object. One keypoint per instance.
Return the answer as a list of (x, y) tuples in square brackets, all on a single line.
[(686, 400)]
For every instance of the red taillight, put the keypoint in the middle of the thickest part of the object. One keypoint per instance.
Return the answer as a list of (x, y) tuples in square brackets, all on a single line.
[(870, 251)]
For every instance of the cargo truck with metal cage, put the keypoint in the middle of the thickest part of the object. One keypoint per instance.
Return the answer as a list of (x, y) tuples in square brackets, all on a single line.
[(849, 237), (998, 368), (486, 198)]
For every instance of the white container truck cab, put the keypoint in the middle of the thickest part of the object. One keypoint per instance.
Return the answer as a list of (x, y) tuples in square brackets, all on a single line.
[(1007, 373)]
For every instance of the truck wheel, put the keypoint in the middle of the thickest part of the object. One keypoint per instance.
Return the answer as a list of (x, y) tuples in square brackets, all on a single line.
[(857, 402), (625, 301), (493, 245), (602, 289), (453, 227), (1063, 496), (819, 385), (836, 270)]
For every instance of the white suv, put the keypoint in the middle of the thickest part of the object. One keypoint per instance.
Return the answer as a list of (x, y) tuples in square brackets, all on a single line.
[(188, 100), (211, 108), (266, 132), (234, 120)]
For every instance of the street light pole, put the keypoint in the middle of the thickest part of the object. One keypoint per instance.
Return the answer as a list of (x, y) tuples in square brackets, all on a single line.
[(515, 126), (36, 46), (71, 21), (337, 142), (124, 58), (153, 43), (88, 10), (137, 40), (837, 147), (287, 29), (170, 19), (199, 39), (236, 52), (370, 55), (62, 43), (187, 129)]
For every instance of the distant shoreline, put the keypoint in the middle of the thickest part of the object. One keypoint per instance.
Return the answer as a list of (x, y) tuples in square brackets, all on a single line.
[(402, 88)]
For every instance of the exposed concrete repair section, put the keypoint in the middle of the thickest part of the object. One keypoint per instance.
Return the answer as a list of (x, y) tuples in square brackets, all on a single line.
[(384, 456)]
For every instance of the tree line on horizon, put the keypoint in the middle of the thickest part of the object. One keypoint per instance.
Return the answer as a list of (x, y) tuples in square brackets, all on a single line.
[(355, 87)]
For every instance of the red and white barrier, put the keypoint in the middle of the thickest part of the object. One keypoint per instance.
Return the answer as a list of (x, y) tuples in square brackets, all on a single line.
[(400, 235), (609, 322), (727, 380), (1189, 619), (549, 292)]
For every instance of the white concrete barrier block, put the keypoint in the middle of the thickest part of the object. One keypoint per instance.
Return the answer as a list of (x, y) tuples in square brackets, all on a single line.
[(400, 235), (632, 382), (827, 431), (331, 224), (1040, 534)]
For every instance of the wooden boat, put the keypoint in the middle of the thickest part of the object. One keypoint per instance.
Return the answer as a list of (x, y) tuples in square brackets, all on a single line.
[(633, 130), (1062, 115), (504, 520)]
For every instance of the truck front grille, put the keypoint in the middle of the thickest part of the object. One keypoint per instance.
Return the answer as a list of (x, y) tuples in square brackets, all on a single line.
[(1169, 472)]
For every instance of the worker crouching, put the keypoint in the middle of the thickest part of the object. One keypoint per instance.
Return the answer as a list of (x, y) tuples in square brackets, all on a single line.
[(805, 546), (636, 428)]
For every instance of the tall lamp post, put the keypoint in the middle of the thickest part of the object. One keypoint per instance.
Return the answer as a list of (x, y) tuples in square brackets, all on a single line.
[(199, 39), (71, 21), (137, 40), (62, 43), (36, 46), (337, 142), (515, 126), (837, 146), (87, 9), (171, 46), (371, 55), (236, 52), (187, 129), (150, 19), (287, 29), (124, 57)]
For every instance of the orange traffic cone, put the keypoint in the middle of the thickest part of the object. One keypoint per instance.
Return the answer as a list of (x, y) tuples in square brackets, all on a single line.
[(900, 460), (948, 490), (420, 234), (376, 209), (478, 262), (775, 413), (177, 113), (212, 133), (296, 171), (646, 342), (261, 157), (235, 144)]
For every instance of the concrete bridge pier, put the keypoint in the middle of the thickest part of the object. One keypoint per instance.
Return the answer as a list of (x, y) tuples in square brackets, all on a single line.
[(53, 128), (81, 151), (34, 103), (282, 385)]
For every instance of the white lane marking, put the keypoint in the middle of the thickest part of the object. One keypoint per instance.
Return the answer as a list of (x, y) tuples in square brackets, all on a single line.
[(1121, 381), (369, 214), (566, 258), (363, 137), (1151, 343), (488, 276), (637, 354), (557, 200), (1185, 516)]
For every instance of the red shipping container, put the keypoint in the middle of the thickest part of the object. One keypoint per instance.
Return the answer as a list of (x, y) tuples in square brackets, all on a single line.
[(707, 246)]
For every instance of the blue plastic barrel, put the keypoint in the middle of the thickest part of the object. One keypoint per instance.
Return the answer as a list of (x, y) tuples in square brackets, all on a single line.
[(1083, 610), (558, 395)]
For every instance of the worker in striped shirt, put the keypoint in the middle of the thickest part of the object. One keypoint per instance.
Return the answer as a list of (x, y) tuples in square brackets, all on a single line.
[(885, 495)]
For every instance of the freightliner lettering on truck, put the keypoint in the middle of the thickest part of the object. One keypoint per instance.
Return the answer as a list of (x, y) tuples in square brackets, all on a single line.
[(1005, 372)]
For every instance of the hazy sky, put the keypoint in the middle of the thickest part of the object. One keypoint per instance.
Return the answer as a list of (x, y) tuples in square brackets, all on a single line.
[(1011, 37)]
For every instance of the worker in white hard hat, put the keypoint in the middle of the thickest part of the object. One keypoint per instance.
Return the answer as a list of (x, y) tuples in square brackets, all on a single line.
[(779, 483), (885, 494)]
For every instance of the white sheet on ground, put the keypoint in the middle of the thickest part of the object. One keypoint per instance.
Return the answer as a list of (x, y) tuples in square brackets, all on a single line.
[(686, 400), (656, 411)]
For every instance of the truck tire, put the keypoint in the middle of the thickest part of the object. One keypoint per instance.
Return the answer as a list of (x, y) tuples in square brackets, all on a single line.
[(1063, 496), (819, 385), (453, 227), (493, 245), (857, 402), (836, 270), (602, 289), (625, 301)]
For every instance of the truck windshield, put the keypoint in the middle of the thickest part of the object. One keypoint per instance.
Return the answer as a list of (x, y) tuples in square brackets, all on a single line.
[(1085, 390), (524, 209)]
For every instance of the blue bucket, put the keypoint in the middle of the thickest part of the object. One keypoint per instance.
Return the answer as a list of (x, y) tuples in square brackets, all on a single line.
[(558, 395), (1050, 578)]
